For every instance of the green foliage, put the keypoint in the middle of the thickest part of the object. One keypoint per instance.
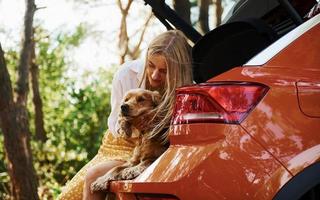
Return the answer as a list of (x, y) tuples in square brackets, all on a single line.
[(75, 116), (193, 3), (4, 177), (12, 63)]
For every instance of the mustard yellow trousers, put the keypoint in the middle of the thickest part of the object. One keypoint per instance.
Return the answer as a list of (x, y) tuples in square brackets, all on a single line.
[(112, 148)]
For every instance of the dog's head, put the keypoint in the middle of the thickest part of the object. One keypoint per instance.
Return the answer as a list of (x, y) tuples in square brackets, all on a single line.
[(136, 106), (138, 101)]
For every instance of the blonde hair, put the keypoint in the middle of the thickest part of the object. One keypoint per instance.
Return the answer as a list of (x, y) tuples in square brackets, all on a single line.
[(174, 47)]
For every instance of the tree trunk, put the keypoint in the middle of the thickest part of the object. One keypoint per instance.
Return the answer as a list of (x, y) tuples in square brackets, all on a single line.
[(135, 52), (204, 15), (37, 102), (25, 55), (219, 11), (124, 39), (182, 7), (16, 141), (14, 118), (123, 35)]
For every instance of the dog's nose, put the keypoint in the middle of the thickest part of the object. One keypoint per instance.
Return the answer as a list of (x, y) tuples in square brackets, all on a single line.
[(125, 109)]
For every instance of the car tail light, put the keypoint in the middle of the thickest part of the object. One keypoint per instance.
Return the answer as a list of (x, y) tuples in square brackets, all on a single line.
[(156, 197), (225, 102)]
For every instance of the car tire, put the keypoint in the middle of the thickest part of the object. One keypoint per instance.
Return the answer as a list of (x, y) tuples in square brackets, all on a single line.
[(304, 185)]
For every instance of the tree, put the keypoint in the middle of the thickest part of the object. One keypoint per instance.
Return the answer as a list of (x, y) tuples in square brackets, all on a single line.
[(204, 15), (124, 39), (14, 118), (75, 115), (37, 101), (182, 7), (219, 11)]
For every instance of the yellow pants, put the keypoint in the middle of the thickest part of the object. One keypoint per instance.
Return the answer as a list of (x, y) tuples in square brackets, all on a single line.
[(111, 149)]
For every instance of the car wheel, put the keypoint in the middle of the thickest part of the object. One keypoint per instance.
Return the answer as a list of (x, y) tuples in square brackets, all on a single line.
[(313, 194)]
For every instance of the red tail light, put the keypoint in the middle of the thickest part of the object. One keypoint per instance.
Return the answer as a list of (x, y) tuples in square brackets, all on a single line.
[(226, 102)]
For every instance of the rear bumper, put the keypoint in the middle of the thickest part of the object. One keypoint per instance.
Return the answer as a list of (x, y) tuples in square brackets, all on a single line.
[(229, 166), (177, 172)]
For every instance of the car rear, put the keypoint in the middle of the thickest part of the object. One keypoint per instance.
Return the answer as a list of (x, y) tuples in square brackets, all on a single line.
[(246, 132)]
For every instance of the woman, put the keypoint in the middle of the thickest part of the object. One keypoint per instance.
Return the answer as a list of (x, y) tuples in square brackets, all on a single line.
[(166, 67)]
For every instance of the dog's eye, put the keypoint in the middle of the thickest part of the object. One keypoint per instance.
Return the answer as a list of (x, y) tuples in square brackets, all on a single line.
[(140, 99)]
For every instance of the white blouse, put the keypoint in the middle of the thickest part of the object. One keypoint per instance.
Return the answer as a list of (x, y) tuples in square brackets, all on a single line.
[(126, 78)]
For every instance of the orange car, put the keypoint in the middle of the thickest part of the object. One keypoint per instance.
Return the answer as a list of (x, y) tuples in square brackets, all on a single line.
[(250, 132)]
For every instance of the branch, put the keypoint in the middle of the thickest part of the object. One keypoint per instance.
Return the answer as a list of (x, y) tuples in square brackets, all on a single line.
[(128, 5), (25, 55), (39, 8), (37, 101), (126, 9), (120, 5), (145, 26), (6, 93)]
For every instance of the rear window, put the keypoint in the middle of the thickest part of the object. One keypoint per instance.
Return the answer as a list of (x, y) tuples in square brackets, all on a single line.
[(270, 52)]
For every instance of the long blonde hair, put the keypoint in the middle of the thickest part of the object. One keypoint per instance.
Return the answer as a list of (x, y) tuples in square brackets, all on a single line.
[(174, 47)]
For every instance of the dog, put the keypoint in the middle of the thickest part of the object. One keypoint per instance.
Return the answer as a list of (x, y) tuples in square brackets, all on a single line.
[(137, 110)]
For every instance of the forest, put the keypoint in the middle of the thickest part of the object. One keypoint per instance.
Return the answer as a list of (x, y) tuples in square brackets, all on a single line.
[(50, 125)]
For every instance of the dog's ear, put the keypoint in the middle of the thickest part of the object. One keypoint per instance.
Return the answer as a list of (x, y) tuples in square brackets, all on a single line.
[(156, 98), (125, 128)]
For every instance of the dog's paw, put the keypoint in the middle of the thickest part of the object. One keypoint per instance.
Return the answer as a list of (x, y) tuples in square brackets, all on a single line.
[(130, 173), (101, 184), (121, 132)]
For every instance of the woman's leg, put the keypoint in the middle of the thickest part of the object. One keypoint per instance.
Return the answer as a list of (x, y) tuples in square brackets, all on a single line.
[(74, 188), (110, 149), (92, 174)]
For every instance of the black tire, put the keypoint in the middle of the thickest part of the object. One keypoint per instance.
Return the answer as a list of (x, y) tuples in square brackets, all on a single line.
[(313, 194), (303, 186)]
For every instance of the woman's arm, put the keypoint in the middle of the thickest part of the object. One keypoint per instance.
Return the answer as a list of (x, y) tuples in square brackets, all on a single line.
[(125, 78), (116, 98)]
